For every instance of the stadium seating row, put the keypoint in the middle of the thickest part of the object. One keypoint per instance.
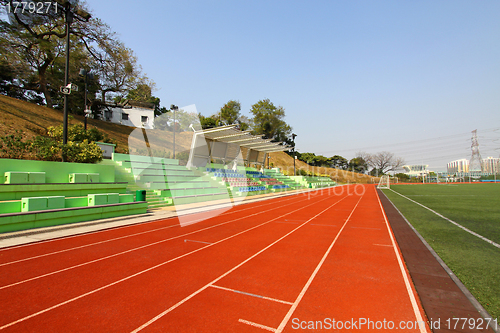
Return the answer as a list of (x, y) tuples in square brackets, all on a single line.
[(252, 189)]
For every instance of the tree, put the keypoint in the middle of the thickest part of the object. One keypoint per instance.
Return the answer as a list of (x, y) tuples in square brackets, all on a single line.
[(385, 161), (268, 120), (207, 122), (403, 177), (163, 121), (339, 162), (143, 93), (309, 158), (230, 112), (184, 119), (244, 123), (34, 45), (358, 164), (118, 70)]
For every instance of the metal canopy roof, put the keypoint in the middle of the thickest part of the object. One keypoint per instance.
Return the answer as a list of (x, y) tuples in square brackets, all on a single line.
[(230, 134)]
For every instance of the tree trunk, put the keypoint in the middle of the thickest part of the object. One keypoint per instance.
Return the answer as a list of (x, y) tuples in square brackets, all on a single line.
[(42, 80)]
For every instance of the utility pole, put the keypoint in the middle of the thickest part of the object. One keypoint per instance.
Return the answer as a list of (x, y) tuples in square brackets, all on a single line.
[(294, 154), (69, 16), (174, 108)]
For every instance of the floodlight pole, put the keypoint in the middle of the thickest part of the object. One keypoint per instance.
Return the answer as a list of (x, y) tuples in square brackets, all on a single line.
[(69, 15), (294, 154), (174, 108)]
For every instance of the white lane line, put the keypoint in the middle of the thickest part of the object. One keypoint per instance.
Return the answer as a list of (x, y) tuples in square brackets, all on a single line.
[(195, 241), (173, 307), (451, 221), (251, 323), (366, 228), (113, 239), (324, 225), (133, 249), (150, 269), (84, 246), (250, 294), (406, 279), (383, 245), (313, 275)]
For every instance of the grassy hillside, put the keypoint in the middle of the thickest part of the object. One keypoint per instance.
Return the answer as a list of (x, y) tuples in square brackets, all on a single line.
[(285, 163), (34, 120)]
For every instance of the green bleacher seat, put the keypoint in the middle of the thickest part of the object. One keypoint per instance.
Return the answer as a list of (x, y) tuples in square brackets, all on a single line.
[(103, 199), (42, 203), (14, 177), (23, 177), (36, 177), (83, 177)]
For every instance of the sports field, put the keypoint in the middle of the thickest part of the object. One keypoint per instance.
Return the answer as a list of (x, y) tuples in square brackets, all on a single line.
[(475, 261), (306, 261)]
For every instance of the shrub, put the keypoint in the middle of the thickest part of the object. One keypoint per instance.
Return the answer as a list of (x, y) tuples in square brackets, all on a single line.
[(13, 146), (82, 152), (46, 149)]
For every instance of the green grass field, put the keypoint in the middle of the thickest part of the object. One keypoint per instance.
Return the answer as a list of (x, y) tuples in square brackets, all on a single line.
[(475, 206)]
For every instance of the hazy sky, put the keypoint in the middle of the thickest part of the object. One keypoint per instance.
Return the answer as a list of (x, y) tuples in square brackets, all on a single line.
[(411, 77)]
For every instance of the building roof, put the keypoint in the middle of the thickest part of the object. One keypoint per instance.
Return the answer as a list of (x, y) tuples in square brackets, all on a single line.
[(230, 134), (144, 105)]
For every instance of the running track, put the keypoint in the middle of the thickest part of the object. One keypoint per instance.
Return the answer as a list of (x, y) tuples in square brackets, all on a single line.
[(265, 266)]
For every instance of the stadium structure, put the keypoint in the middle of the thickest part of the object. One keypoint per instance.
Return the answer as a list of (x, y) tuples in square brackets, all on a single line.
[(224, 165), (416, 170)]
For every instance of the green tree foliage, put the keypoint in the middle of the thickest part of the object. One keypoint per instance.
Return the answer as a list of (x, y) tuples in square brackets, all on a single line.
[(207, 122), (268, 120), (184, 119), (339, 162), (162, 122), (314, 160), (119, 71), (358, 164), (144, 93), (33, 46), (244, 123), (230, 113), (403, 177)]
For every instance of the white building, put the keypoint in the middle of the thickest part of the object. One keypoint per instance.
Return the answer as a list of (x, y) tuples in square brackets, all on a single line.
[(458, 166), (416, 170), (131, 113), (490, 165)]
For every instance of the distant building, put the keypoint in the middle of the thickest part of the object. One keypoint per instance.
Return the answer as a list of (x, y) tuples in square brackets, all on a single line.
[(458, 166), (131, 113), (416, 170), (490, 165)]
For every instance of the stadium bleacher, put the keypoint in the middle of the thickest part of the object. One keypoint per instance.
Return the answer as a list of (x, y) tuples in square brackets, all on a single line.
[(40, 193)]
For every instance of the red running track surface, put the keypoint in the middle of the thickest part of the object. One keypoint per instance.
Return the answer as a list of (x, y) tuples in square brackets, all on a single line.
[(277, 265)]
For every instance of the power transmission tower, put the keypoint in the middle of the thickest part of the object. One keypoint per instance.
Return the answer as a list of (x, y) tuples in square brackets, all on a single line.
[(475, 163)]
